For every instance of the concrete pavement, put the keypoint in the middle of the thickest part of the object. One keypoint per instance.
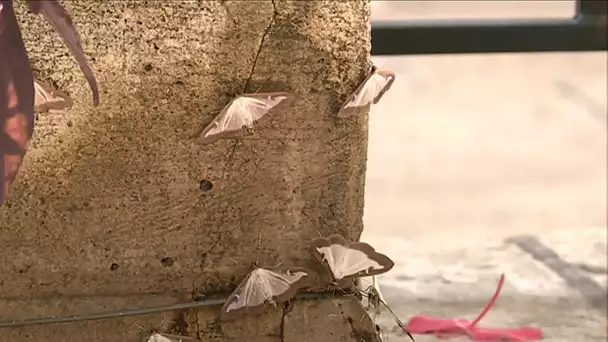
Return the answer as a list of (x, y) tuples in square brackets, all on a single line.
[(563, 293), (484, 164)]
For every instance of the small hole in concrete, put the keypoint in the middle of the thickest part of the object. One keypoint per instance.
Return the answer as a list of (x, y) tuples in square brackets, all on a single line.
[(114, 266), (205, 185), (167, 262), (148, 67)]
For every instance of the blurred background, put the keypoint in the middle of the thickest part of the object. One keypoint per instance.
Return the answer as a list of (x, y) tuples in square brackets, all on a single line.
[(489, 163)]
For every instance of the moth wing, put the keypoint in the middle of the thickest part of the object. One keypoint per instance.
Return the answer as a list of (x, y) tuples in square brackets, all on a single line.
[(321, 250), (376, 263), (158, 338), (221, 125), (57, 16), (163, 337), (265, 285), (241, 112), (357, 261), (260, 104), (281, 283), (359, 100), (46, 98), (260, 287), (383, 81), (350, 260), (346, 262), (367, 93)]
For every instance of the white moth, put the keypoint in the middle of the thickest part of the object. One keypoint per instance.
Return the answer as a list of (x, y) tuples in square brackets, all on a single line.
[(353, 260), (47, 98), (241, 114), (170, 338), (367, 93), (263, 287)]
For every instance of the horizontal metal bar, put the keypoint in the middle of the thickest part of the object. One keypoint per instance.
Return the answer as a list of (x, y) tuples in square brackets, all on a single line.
[(583, 33), (592, 7)]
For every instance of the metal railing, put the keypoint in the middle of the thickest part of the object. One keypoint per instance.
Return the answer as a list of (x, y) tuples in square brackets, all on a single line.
[(586, 31)]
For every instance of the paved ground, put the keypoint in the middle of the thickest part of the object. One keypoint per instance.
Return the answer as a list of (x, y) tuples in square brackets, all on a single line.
[(480, 165)]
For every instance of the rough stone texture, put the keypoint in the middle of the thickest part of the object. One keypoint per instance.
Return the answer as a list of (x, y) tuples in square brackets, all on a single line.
[(106, 193)]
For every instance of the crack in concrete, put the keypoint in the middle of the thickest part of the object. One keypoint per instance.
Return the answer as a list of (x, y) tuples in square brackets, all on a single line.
[(198, 325), (282, 325), (179, 323), (351, 322), (218, 233), (286, 308), (257, 55)]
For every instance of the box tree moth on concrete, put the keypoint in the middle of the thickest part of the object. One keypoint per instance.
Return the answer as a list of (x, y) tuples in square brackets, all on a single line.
[(347, 261), (240, 115), (369, 92), (47, 98), (262, 287), (162, 337)]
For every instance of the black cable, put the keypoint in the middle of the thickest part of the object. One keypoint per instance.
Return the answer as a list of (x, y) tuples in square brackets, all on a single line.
[(110, 314), (133, 312)]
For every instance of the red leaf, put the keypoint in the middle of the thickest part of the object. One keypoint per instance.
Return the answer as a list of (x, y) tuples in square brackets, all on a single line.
[(16, 98), (512, 335), (446, 328)]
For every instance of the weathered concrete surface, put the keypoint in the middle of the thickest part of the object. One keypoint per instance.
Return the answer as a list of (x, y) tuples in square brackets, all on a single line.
[(106, 194), (483, 164)]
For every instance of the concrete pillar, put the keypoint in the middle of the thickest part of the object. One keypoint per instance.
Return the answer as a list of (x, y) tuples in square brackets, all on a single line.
[(108, 212)]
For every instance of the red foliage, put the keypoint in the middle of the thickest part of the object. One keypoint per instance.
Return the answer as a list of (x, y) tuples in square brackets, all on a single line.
[(446, 328), (17, 82)]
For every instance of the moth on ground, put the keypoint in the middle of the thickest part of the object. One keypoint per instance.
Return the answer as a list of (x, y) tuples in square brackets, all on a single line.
[(369, 92), (47, 98), (347, 261), (262, 287), (242, 113), (162, 337)]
